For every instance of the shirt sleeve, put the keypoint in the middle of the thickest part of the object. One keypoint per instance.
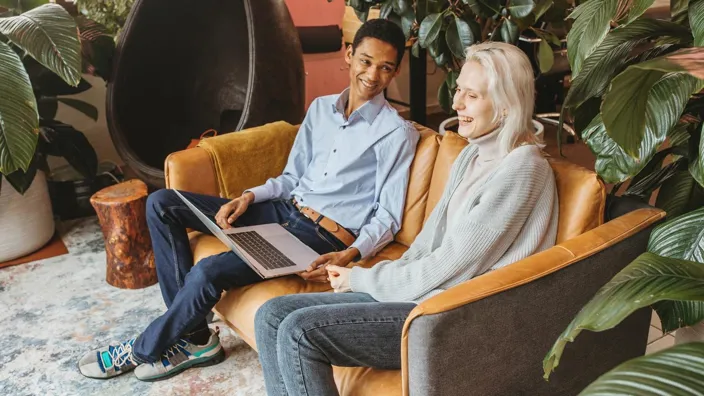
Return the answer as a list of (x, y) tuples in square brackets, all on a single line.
[(392, 176), (487, 230), (298, 160)]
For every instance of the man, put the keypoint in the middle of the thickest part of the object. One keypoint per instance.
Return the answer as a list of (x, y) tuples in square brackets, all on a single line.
[(350, 162)]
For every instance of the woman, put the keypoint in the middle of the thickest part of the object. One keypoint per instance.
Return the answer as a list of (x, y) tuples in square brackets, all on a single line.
[(499, 206)]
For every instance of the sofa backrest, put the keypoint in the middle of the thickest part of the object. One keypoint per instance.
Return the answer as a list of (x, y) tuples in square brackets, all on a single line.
[(419, 185), (581, 193)]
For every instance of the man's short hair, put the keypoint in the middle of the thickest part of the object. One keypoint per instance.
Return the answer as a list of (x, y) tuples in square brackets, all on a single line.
[(384, 30)]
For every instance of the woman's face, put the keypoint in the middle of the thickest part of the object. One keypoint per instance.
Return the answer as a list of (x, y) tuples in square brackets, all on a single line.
[(472, 103)]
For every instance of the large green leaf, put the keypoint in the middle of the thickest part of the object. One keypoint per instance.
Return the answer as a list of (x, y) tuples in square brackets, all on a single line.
[(50, 35), (22, 5), (18, 114), (541, 7), (509, 32), (459, 36), (612, 163), (674, 371), (696, 21), (649, 97), (592, 23), (681, 237), (430, 29), (637, 9), (520, 8), (606, 60), (678, 10), (546, 58), (648, 279)]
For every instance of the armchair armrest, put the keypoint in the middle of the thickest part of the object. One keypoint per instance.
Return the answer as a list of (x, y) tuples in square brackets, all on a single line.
[(489, 335), (191, 170), (228, 164)]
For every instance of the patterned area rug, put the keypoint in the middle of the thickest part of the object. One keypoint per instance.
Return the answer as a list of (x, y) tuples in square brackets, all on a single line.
[(56, 309)]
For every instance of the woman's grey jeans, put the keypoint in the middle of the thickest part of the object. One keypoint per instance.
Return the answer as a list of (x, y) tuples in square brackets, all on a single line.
[(301, 336)]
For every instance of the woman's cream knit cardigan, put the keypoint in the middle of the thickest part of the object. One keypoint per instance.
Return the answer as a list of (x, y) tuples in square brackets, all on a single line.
[(511, 216)]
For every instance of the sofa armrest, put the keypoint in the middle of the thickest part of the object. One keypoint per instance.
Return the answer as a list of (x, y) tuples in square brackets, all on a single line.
[(489, 335), (191, 170)]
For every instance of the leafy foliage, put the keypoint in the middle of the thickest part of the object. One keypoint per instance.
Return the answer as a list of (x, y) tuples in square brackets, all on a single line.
[(59, 48), (445, 28)]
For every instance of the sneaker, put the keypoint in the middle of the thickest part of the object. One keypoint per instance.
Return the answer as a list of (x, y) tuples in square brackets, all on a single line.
[(181, 356), (108, 362)]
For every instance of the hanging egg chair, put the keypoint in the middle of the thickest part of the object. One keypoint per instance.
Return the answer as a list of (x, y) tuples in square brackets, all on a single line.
[(183, 67)]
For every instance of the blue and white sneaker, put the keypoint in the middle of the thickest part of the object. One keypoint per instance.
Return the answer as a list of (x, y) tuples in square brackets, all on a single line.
[(108, 362), (181, 356)]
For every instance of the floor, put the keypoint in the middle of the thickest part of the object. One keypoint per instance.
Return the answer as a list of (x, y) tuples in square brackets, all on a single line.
[(55, 310)]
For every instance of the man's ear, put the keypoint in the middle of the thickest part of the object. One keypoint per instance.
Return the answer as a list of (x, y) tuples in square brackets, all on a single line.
[(348, 54)]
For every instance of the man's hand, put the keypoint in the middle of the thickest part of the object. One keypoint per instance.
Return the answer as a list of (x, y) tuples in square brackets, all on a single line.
[(316, 271), (229, 212)]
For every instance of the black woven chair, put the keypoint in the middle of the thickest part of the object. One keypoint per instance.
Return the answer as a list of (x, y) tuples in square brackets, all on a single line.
[(183, 67)]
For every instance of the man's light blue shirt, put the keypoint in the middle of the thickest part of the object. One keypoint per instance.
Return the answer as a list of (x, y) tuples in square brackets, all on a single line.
[(354, 171)]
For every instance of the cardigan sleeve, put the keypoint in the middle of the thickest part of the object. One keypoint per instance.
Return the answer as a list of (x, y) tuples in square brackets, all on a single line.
[(489, 227)]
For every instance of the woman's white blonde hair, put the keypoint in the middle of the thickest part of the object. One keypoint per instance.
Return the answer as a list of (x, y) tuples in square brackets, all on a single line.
[(511, 88)]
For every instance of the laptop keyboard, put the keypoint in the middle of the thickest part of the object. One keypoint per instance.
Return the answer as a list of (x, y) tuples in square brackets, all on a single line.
[(262, 251)]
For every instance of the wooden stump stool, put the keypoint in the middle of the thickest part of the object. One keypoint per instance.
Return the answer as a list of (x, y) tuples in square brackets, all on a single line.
[(121, 210)]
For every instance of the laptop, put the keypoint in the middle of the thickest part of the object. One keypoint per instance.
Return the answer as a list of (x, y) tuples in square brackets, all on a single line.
[(269, 249)]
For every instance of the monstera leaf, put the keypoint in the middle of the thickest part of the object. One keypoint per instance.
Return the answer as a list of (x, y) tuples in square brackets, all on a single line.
[(50, 35)]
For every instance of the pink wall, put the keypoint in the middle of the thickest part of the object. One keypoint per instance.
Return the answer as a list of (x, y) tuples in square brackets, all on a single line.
[(325, 73), (316, 12)]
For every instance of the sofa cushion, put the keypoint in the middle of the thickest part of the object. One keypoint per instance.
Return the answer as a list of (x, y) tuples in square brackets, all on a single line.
[(582, 198), (362, 381), (450, 147), (418, 185)]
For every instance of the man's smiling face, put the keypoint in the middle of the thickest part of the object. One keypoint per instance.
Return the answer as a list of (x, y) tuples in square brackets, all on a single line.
[(372, 67)]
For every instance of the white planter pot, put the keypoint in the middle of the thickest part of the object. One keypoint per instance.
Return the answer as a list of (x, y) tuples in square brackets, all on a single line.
[(26, 221)]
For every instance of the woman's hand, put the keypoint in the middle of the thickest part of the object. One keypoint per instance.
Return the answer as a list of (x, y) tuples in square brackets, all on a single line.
[(339, 278)]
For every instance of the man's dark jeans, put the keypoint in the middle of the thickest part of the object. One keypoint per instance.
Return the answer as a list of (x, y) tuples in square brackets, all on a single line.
[(190, 292)]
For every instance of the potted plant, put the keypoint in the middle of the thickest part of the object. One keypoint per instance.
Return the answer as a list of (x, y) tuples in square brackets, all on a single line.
[(42, 54), (637, 101)]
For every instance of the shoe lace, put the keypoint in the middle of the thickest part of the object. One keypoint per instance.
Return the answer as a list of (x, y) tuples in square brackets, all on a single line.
[(174, 348), (122, 354)]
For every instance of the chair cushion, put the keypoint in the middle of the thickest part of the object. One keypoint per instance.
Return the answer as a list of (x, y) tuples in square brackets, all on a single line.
[(238, 306), (418, 185), (450, 147), (582, 198), (362, 381), (581, 192)]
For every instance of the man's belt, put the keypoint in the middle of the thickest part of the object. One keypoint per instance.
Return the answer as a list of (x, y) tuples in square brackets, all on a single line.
[(331, 226)]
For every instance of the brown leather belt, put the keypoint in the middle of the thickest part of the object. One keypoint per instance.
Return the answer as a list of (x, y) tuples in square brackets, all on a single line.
[(331, 226)]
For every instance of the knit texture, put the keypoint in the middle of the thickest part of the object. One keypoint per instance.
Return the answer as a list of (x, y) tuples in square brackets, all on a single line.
[(512, 215)]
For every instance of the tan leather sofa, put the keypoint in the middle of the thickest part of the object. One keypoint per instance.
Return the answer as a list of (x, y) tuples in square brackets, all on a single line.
[(489, 335)]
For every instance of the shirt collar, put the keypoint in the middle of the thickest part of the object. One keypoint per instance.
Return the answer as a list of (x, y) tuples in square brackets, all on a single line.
[(369, 110)]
